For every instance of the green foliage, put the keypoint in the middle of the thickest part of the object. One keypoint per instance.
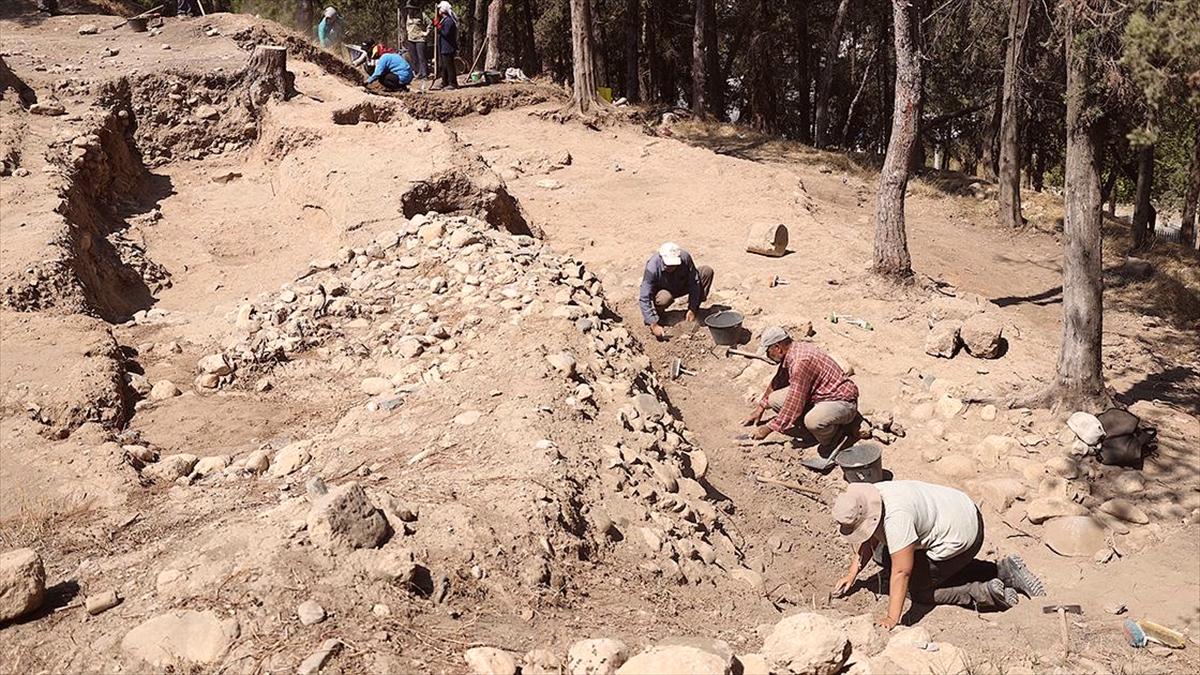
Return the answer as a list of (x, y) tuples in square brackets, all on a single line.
[(1162, 52)]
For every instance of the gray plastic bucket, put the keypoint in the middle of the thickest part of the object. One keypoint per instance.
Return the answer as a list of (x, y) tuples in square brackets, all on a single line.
[(862, 463), (725, 327)]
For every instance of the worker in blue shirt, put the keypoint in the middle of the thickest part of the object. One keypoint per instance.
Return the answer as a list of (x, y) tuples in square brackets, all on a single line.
[(329, 31), (671, 273), (393, 72)]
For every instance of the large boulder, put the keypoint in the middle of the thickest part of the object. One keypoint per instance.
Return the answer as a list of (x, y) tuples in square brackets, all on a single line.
[(982, 336), (490, 661), (344, 519), (182, 636), (998, 493), (1075, 536), (1125, 510), (22, 583), (1042, 509), (942, 340), (596, 657), (807, 644), (911, 651), (676, 660)]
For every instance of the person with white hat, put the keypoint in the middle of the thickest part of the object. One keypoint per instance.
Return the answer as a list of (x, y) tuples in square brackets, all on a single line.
[(809, 387), (926, 536), (329, 31), (670, 274)]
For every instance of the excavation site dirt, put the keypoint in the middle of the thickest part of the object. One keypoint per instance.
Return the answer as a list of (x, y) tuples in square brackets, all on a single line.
[(300, 378)]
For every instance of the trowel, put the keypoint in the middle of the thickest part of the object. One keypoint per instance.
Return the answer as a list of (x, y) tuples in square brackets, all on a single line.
[(678, 370), (823, 464)]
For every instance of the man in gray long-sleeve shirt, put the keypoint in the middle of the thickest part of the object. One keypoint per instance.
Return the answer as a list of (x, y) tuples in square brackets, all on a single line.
[(670, 273)]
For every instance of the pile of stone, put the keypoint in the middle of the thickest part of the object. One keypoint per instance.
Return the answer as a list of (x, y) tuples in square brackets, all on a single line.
[(957, 323), (410, 302), (802, 644)]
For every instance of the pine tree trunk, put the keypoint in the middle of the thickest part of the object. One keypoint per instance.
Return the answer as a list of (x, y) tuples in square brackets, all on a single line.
[(1078, 383), (699, 60), (1187, 224), (762, 94), (803, 77), (478, 28), (713, 73), (266, 75), (991, 134), (584, 100), (844, 137), (1143, 210), (633, 34), (825, 81), (1009, 171), (530, 62), (495, 11), (891, 258)]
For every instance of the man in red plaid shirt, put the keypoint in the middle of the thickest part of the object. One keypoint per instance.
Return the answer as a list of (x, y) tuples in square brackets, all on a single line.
[(809, 383)]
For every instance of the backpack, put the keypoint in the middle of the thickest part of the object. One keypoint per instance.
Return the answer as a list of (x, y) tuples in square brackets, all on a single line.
[(1127, 441)]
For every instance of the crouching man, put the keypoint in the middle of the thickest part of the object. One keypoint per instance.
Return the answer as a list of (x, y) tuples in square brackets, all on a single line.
[(670, 274), (926, 536), (808, 388), (392, 72)]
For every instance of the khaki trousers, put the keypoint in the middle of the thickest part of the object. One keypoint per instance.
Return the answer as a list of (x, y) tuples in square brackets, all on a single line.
[(825, 420)]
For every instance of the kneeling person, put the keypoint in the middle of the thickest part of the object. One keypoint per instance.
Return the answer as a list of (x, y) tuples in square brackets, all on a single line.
[(810, 388), (671, 273), (393, 72), (926, 536)]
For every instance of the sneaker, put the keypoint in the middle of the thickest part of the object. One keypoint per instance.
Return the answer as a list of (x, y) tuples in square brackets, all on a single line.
[(1014, 574), (1003, 596)]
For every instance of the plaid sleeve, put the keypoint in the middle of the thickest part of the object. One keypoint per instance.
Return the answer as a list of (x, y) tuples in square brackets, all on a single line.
[(800, 380)]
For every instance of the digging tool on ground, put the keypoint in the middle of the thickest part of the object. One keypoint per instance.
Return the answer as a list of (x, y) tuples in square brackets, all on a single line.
[(143, 15), (750, 355), (852, 320), (823, 464), (791, 485), (1063, 611), (677, 369)]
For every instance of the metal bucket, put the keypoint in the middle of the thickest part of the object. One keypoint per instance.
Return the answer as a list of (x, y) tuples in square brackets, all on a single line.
[(137, 24), (725, 327), (862, 463)]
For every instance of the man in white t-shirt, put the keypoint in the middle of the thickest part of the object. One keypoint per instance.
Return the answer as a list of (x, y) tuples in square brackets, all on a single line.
[(927, 536)]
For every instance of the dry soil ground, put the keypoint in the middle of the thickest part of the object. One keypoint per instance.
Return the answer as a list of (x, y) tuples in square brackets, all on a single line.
[(164, 219)]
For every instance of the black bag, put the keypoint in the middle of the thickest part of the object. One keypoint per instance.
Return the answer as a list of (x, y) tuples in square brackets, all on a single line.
[(1127, 441)]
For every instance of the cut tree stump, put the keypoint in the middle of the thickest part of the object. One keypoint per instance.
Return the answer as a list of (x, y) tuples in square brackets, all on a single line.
[(266, 75), (768, 239)]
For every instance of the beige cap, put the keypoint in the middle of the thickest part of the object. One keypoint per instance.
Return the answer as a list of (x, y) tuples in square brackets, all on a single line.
[(857, 512)]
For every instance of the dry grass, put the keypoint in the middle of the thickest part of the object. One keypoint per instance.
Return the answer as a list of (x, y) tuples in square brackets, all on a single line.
[(35, 522), (743, 143)]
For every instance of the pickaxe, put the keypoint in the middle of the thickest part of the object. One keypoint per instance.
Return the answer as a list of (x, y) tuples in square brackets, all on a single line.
[(1063, 611)]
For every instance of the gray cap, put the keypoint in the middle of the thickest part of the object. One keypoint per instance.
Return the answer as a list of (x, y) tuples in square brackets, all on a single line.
[(770, 336)]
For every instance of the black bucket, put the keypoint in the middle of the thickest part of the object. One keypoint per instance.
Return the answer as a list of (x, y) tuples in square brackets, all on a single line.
[(137, 24), (725, 327), (861, 463)]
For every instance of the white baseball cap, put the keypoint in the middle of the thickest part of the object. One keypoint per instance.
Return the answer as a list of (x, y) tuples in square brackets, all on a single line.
[(330, 12), (670, 253)]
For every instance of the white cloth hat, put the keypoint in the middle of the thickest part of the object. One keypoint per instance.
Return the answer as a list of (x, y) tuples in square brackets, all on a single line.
[(330, 12), (670, 253), (1086, 427)]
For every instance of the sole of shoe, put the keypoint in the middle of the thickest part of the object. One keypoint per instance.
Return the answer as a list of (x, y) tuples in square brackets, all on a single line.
[(1015, 574)]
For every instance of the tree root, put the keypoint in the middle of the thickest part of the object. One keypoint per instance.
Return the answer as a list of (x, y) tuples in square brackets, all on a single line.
[(1059, 398)]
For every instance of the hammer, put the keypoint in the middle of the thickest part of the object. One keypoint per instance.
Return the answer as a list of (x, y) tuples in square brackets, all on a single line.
[(1063, 611), (730, 351)]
